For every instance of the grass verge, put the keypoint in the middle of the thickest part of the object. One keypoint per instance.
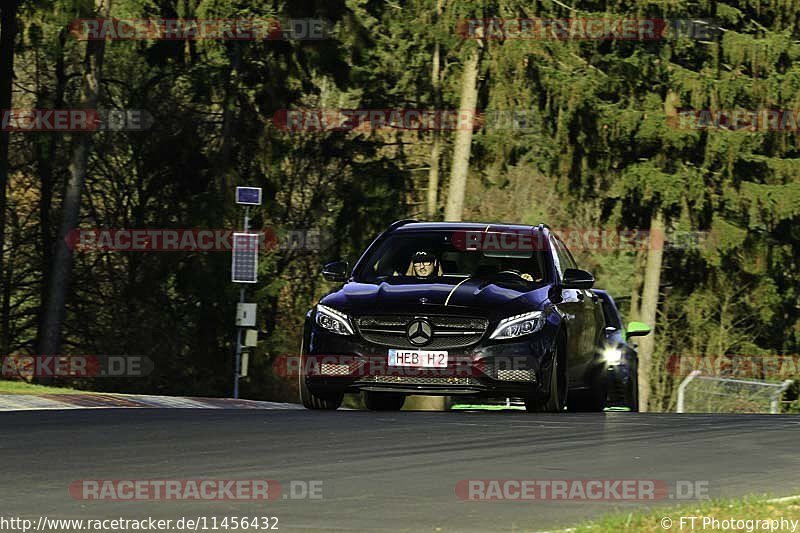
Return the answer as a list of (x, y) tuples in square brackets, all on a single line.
[(730, 515), (22, 387)]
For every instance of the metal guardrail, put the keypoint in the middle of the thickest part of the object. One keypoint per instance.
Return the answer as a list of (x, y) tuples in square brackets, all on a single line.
[(774, 398)]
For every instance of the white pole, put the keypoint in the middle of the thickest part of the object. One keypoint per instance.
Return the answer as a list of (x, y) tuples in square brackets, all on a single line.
[(238, 363), (682, 388), (773, 404)]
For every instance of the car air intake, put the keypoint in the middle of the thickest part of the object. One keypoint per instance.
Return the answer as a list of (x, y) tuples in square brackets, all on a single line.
[(516, 375)]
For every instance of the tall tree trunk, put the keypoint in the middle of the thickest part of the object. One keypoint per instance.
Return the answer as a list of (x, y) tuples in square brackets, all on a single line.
[(649, 305), (433, 177), (463, 143), (45, 153), (436, 149), (8, 30), (636, 291), (62, 262), (460, 169), (223, 162)]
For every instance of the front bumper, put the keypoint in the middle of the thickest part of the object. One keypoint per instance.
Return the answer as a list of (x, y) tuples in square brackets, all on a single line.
[(621, 384), (500, 369)]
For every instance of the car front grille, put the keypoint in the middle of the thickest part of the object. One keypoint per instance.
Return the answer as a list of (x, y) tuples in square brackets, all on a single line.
[(421, 380), (448, 331)]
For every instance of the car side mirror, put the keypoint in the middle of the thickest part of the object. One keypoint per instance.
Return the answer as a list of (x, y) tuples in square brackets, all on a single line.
[(575, 278), (336, 271), (637, 329)]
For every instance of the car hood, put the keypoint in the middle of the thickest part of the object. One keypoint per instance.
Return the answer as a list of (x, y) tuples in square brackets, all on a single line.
[(473, 297)]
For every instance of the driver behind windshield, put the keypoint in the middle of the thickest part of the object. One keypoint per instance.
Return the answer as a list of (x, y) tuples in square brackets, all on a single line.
[(424, 265)]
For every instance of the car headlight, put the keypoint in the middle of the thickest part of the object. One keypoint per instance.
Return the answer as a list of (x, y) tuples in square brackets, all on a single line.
[(612, 355), (518, 325), (333, 320)]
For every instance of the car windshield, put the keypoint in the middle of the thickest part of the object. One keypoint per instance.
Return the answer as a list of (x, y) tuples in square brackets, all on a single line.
[(432, 256), (611, 315)]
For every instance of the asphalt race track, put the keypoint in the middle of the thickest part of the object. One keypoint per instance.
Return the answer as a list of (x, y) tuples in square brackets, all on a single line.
[(382, 471)]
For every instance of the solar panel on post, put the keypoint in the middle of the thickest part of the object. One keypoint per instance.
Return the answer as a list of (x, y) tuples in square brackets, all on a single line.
[(244, 268)]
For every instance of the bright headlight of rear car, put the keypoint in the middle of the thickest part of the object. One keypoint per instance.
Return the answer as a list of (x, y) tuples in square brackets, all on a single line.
[(612, 355), (333, 320), (518, 325)]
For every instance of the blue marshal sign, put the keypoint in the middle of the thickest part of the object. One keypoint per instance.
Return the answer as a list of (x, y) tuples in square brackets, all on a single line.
[(248, 195)]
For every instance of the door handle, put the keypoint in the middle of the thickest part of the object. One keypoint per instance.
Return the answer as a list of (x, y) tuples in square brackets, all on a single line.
[(580, 296)]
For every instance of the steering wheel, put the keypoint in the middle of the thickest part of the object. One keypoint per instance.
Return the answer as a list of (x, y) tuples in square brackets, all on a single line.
[(510, 271)]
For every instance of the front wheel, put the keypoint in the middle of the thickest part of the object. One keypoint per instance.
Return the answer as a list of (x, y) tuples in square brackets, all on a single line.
[(592, 400), (557, 395), (633, 395), (383, 401), (311, 400)]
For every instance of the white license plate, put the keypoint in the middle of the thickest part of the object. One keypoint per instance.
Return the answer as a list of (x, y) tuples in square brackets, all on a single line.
[(418, 358)]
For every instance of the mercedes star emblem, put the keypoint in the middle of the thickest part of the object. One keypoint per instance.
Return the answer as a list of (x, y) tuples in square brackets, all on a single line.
[(419, 332)]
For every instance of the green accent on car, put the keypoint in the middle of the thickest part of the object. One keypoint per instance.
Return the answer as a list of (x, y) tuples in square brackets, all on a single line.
[(487, 407), (495, 407), (637, 329)]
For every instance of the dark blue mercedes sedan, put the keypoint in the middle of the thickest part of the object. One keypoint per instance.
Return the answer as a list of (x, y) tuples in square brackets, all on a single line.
[(452, 308)]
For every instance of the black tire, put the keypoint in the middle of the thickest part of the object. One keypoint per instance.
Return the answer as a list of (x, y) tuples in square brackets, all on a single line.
[(309, 399), (557, 395), (633, 395), (623, 387), (592, 400), (383, 401)]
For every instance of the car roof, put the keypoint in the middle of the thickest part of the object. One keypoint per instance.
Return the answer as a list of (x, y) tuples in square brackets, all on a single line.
[(464, 226)]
